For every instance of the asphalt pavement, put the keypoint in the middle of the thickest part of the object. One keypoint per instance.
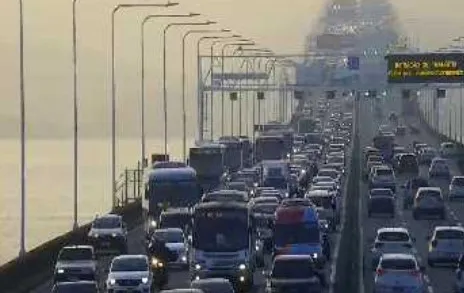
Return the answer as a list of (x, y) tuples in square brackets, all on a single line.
[(439, 279)]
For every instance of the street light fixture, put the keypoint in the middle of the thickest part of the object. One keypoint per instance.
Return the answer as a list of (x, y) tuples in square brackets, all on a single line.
[(166, 28), (142, 46), (184, 115), (113, 86)]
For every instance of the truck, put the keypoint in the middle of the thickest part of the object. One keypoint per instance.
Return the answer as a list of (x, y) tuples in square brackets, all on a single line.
[(233, 153), (223, 243), (269, 147)]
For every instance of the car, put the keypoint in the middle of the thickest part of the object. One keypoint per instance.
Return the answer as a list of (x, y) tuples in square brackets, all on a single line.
[(391, 240), (75, 263), (318, 179), (295, 273), (381, 205), (418, 146), (176, 242), (130, 273), (399, 272), (330, 172), (446, 245), (426, 155), (73, 287), (439, 168), (384, 177), (429, 202), (407, 163), (448, 149), (456, 188), (213, 285), (265, 198), (108, 234), (237, 185), (410, 188)]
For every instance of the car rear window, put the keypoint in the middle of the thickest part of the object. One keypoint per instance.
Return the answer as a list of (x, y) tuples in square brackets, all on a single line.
[(408, 159), (398, 264), (384, 172), (383, 191), (458, 181), (393, 236), (449, 234), (430, 194)]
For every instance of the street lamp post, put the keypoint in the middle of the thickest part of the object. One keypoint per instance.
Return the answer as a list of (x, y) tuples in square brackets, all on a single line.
[(199, 87), (113, 86), (22, 97), (142, 46), (184, 115), (166, 28)]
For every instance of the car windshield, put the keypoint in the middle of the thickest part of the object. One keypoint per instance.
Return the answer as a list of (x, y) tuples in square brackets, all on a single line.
[(393, 236), (458, 181), (129, 265), (170, 236), (294, 269), (107, 223), (398, 264), (75, 287), (383, 172), (75, 254), (449, 234)]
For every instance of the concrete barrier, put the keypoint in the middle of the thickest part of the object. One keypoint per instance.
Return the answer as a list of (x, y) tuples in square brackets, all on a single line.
[(36, 267)]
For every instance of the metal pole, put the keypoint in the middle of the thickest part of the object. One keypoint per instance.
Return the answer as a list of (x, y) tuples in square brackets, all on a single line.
[(165, 105), (460, 113), (211, 89), (222, 89), (75, 118), (231, 118), (22, 246)]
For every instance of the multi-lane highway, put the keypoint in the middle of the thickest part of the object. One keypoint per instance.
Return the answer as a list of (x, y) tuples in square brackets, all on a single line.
[(439, 279)]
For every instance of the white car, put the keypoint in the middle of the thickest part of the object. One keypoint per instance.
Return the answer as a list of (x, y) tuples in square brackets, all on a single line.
[(446, 245), (330, 172), (428, 202), (391, 240), (448, 149), (456, 188), (439, 168), (399, 272), (176, 242), (383, 177), (75, 263), (129, 273)]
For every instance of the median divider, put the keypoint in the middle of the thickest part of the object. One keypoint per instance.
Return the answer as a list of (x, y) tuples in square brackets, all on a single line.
[(348, 266), (36, 267)]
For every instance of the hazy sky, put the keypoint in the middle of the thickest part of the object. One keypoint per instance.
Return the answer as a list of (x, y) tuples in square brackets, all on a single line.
[(279, 25)]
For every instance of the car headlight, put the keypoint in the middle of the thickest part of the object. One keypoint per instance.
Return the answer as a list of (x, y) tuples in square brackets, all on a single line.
[(242, 267), (315, 255), (94, 235), (114, 235), (112, 281), (153, 224), (257, 247), (60, 271), (255, 184), (184, 258), (144, 280), (156, 262), (197, 267)]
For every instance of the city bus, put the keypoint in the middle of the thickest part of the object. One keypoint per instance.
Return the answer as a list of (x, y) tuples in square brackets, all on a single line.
[(208, 161)]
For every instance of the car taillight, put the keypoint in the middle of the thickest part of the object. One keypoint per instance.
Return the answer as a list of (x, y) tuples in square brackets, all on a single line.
[(380, 272)]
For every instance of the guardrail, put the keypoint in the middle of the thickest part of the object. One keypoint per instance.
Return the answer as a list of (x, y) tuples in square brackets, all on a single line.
[(129, 186)]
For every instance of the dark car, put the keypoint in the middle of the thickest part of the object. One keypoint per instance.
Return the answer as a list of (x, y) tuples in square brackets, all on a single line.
[(73, 287), (407, 163), (381, 205)]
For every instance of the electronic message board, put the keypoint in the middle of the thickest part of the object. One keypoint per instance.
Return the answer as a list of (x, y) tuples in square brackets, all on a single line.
[(426, 68)]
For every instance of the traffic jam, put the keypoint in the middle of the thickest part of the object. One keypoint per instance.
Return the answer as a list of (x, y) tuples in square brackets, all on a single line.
[(411, 217), (239, 216)]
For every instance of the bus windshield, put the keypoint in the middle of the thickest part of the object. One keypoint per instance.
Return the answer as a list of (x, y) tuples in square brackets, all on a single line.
[(207, 164), (175, 193), (221, 231), (298, 233)]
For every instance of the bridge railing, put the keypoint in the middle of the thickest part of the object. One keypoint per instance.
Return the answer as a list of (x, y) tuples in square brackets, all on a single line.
[(129, 186)]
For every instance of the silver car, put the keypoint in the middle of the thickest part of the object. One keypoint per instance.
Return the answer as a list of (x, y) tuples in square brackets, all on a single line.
[(439, 168), (446, 245), (391, 240), (399, 272), (129, 273), (456, 188)]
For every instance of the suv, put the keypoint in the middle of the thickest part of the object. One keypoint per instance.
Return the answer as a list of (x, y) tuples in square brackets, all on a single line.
[(130, 273), (108, 234), (429, 201), (446, 245), (383, 177), (439, 168), (408, 163), (75, 263), (295, 273), (456, 188), (391, 240)]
